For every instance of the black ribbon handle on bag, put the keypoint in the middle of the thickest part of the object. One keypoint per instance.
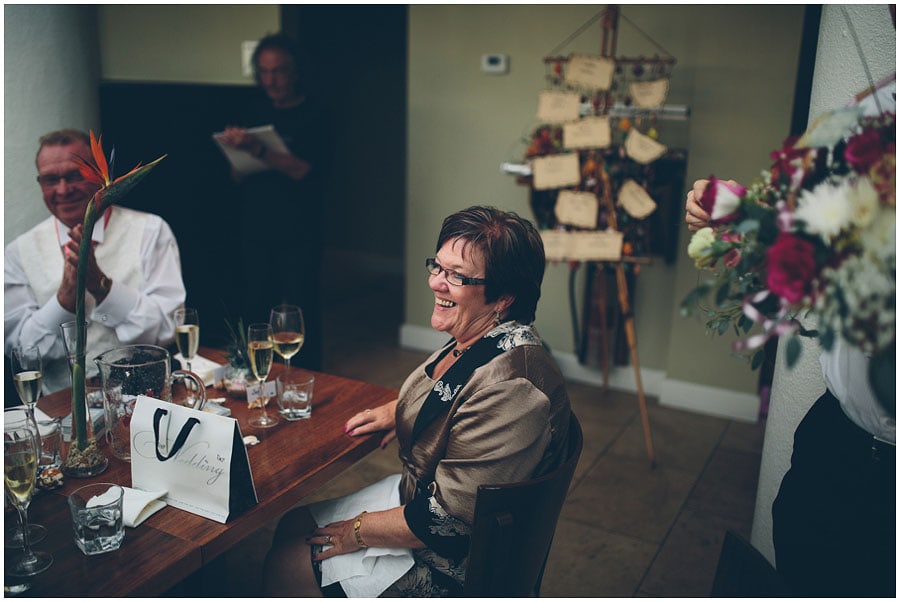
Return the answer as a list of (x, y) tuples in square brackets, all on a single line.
[(179, 440)]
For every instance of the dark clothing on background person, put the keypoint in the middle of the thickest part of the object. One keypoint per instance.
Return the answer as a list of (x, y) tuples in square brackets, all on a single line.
[(834, 520), (282, 224)]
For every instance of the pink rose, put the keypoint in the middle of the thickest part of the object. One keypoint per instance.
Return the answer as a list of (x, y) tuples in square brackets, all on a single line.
[(721, 200), (732, 258), (791, 267), (864, 150), (731, 236)]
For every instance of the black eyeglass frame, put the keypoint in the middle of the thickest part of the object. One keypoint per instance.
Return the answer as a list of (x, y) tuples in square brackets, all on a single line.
[(53, 180), (434, 268)]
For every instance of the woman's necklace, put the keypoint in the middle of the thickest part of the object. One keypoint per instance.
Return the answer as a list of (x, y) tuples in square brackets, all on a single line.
[(459, 352)]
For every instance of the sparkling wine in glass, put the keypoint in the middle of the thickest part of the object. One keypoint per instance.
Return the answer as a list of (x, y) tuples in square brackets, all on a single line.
[(187, 333), (20, 462), (287, 331), (261, 349), (27, 375), (27, 370)]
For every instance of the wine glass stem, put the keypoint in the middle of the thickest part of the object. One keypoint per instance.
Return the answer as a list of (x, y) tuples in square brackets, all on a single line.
[(262, 401), (287, 365), (26, 545)]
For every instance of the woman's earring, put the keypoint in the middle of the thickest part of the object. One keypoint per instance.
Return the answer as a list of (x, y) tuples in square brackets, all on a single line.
[(496, 317)]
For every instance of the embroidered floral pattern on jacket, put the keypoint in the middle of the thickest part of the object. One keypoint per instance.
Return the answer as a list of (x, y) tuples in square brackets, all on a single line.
[(512, 334), (445, 392)]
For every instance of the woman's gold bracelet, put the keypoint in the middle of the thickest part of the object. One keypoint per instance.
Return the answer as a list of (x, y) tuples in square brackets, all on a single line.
[(356, 526)]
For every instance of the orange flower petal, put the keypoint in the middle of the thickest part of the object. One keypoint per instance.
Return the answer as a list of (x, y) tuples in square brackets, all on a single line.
[(99, 157), (88, 171)]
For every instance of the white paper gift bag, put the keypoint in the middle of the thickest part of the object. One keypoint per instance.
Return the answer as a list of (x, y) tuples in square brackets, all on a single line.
[(198, 457)]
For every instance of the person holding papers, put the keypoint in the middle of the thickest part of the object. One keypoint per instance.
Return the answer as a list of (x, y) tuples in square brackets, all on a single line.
[(490, 406), (283, 202)]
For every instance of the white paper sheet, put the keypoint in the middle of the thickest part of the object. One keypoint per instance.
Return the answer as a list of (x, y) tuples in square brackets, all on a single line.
[(244, 162)]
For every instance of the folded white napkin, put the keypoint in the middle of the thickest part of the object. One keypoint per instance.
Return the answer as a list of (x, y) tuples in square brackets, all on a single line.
[(202, 367), (137, 505), (368, 572)]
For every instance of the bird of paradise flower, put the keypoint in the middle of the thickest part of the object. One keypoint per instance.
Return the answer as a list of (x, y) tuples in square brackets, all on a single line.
[(110, 192)]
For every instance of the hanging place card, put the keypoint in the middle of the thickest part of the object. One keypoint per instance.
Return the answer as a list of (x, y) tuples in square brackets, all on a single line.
[(649, 95), (643, 149), (591, 132), (556, 171), (577, 209), (591, 72), (557, 107), (635, 200), (598, 245)]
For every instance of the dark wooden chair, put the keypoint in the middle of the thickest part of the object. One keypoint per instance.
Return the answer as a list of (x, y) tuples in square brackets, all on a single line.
[(743, 572), (513, 529)]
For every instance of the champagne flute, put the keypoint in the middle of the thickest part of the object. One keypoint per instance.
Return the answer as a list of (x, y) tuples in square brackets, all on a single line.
[(27, 372), (27, 375), (261, 350), (187, 333), (287, 331), (20, 461)]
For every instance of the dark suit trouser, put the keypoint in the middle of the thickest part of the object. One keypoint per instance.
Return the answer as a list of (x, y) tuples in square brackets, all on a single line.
[(834, 519)]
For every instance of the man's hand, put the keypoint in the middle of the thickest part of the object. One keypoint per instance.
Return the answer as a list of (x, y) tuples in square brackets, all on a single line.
[(239, 138), (95, 276), (695, 217)]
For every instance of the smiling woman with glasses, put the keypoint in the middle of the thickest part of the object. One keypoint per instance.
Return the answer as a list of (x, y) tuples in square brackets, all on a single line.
[(490, 406)]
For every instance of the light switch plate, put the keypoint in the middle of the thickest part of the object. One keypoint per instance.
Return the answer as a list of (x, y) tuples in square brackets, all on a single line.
[(495, 64), (247, 49)]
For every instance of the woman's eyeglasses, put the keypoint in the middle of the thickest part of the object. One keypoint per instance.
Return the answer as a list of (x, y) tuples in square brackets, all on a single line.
[(434, 268)]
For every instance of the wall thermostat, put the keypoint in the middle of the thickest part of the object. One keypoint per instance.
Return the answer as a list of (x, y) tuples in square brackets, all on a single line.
[(495, 64)]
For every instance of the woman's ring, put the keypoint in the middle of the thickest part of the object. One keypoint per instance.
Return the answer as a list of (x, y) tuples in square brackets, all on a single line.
[(329, 540), (367, 411)]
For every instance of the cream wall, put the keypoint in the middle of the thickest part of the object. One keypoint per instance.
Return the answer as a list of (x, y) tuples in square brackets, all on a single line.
[(174, 43), (736, 71), (41, 95)]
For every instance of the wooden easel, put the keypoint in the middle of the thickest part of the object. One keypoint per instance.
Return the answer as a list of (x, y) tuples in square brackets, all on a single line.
[(610, 26), (603, 190)]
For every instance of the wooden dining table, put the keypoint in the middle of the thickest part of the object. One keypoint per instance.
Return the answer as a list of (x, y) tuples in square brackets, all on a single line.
[(291, 461)]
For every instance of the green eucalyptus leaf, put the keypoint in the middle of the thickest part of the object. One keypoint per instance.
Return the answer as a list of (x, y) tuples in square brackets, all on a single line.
[(793, 351), (722, 293), (748, 225), (757, 360)]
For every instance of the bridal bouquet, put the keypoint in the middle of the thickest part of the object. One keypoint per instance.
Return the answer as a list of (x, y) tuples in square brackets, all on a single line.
[(814, 237)]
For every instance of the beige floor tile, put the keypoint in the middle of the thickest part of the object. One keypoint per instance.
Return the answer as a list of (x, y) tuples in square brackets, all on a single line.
[(681, 440), (586, 561), (743, 436), (628, 497), (687, 561), (728, 485)]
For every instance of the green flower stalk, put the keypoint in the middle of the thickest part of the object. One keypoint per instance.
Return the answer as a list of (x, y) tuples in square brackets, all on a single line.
[(111, 192)]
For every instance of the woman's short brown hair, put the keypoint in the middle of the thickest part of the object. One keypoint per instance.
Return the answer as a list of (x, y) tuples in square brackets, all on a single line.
[(513, 255)]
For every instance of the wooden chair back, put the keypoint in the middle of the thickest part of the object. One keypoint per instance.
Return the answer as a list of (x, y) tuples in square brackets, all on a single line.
[(514, 526)]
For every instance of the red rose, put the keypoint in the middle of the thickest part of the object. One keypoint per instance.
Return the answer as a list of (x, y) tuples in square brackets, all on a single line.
[(791, 267), (721, 200), (864, 150), (732, 258)]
